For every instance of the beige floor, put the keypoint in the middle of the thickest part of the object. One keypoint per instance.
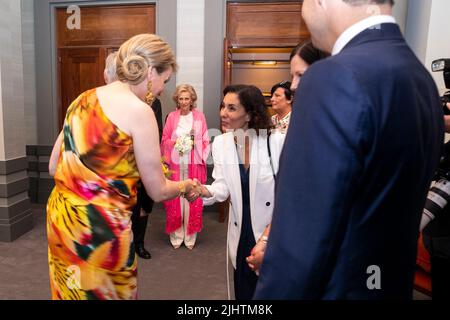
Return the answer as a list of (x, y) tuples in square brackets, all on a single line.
[(199, 274), (170, 274)]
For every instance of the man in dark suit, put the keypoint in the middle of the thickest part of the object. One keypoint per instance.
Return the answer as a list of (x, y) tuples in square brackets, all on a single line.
[(365, 137)]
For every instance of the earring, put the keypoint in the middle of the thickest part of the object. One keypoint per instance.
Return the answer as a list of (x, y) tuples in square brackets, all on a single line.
[(149, 98)]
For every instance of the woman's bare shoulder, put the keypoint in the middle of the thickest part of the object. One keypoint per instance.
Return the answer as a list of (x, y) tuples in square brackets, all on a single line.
[(122, 106)]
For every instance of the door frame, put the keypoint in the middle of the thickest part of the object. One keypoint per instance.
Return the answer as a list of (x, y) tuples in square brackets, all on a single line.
[(163, 8)]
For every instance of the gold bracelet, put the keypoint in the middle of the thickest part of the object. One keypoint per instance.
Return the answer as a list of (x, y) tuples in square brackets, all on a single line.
[(181, 189)]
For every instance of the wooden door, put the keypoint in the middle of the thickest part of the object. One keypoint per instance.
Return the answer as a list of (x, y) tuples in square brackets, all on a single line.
[(82, 53), (106, 25), (80, 69), (269, 24), (226, 64)]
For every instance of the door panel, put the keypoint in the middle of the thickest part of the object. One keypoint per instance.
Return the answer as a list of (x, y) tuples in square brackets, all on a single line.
[(265, 24), (80, 69), (82, 53), (106, 25), (226, 72)]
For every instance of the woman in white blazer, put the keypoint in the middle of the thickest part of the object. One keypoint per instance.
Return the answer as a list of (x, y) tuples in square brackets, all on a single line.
[(301, 58), (244, 172)]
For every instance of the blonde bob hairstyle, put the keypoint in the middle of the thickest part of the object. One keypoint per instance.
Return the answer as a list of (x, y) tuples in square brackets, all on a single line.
[(139, 53), (185, 88)]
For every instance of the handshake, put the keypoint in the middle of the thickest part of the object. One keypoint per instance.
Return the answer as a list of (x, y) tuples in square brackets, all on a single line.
[(192, 189)]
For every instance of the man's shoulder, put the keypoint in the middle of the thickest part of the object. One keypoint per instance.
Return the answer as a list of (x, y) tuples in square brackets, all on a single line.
[(326, 73), (388, 59), (376, 54)]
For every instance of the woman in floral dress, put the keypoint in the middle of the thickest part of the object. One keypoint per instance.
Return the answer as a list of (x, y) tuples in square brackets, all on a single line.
[(97, 160)]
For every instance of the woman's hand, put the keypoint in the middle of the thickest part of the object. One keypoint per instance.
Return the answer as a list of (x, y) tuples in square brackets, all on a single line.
[(256, 256), (187, 186), (195, 192), (198, 191)]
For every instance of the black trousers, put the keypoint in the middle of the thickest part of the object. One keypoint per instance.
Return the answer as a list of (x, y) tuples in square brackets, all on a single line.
[(440, 278), (138, 223), (244, 283)]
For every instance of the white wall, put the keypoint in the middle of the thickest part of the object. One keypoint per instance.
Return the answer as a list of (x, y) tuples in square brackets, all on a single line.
[(417, 26), (400, 13), (29, 71), (214, 34), (438, 37), (12, 126), (190, 45), (428, 32)]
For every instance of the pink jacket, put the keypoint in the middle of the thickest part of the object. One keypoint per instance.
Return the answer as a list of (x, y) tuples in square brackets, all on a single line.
[(196, 168)]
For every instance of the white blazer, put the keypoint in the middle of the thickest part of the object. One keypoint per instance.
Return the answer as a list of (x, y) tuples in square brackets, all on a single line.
[(227, 183)]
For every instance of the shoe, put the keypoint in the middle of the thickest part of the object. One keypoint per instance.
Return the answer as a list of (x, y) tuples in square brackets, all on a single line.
[(190, 247), (142, 252), (176, 246)]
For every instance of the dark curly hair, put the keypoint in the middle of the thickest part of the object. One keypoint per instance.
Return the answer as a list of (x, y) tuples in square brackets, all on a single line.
[(286, 85), (252, 99)]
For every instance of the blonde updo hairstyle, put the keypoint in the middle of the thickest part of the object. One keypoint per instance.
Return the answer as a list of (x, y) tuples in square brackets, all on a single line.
[(141, 52), (185, 88)]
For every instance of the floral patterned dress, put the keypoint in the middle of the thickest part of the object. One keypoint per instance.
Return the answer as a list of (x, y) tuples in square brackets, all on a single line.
[(90, 242), (281, 124)]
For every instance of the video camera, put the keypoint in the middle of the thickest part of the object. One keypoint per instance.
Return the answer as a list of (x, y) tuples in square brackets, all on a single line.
[(443, 65), (439, 194)]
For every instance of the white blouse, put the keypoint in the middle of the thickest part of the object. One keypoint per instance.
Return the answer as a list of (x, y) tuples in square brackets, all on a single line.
[(185, 125)]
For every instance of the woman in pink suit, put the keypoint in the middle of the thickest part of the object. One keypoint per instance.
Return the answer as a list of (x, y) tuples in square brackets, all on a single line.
[(185, 159)]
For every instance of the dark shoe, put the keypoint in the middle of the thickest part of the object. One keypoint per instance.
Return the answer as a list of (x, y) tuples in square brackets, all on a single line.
[(141, 252)]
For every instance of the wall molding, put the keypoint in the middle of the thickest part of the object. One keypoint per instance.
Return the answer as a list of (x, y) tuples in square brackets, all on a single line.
[(13, 165), (12, 188)]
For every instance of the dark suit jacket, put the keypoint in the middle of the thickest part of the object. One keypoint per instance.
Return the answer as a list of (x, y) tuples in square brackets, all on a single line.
[(156, 106), (365, 136)]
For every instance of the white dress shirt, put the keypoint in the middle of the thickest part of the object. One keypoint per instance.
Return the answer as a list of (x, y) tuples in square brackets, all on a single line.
[(357, 28)]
